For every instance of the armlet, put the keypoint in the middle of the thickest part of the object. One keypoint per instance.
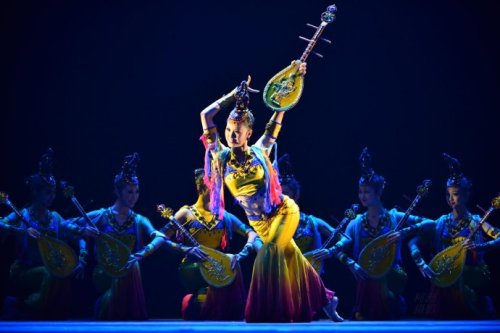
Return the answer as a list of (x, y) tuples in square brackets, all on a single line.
[(272, 129)]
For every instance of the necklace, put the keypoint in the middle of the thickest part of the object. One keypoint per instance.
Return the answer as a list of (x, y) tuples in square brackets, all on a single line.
[(241, 168), (375, 231), (41, 220), (209, 224), (455, 229), (114, 223)]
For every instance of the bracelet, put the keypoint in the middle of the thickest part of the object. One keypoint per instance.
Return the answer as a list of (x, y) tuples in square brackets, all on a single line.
[(210, 134), (420, 263), (350, 262), (138, 255), (340, 245), (415, 254), (272, 129), (343, 258), (332, 250), (82, 257), (148, 250)]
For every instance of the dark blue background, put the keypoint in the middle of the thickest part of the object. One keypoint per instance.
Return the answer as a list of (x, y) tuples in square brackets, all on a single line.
[(97, 80)]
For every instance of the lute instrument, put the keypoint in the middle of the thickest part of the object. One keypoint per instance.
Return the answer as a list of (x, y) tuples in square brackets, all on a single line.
[(349, 215), (216, 270), (449, 263), (284, 89), (112, 254), (58, 257), (377, 257)]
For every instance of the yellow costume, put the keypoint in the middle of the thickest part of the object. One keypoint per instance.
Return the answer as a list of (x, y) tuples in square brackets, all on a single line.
[(284, 286)]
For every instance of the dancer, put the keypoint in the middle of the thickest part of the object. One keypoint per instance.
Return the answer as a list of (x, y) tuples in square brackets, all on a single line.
[(284, 286), (123, 296), (205, 302), (468, 297), (40, 294), (376, 299)]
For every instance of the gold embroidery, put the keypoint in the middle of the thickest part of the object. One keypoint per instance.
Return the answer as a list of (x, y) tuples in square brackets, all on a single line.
[(114, 223), (209, 224), (455, 229), (243, 169)]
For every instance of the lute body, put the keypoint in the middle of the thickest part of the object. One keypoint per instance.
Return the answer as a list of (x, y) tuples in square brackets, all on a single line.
[(111, 254), (449, 263), (284, 90), (377, 257), (58, 257), (216, 271), (350, 214)]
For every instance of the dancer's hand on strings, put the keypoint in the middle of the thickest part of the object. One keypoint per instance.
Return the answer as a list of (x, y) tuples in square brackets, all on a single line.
[(469, 245), (323, 254), (393, 237), (79, 271), (234, 260), (245, 251), (32, 232), (136, 257), (358, 272), (425, 270), (90, 232), (197, 253)]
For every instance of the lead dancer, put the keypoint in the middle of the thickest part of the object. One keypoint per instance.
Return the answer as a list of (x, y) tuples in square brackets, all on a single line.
[(284, 286)]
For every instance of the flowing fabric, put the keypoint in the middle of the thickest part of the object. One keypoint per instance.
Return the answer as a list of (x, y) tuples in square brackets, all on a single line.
[(455, 302), (40, 296), (465, 299), (284, 287), (214, 173), (227, 303), (380, 299), (125, 299), (205, 302)]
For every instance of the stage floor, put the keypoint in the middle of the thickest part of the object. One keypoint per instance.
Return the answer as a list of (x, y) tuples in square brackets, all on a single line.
[(223, 327)]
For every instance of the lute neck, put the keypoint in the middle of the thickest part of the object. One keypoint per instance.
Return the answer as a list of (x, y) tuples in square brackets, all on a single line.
[(313, 41), (485, 217), (184, 231), (82, 211), (17, 212), (408, 212)]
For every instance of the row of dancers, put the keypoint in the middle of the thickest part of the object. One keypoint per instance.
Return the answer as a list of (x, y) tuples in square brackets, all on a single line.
[(285, 286)]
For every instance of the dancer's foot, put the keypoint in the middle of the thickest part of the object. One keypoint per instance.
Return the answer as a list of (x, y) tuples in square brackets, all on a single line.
[(331, 310)]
